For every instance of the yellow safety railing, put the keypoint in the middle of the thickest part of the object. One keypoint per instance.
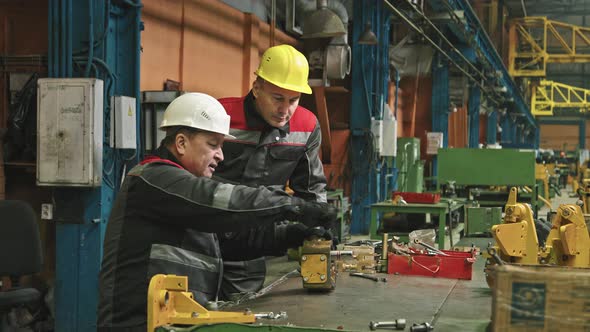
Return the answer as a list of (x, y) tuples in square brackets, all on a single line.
[(549, 95), (536, 41)]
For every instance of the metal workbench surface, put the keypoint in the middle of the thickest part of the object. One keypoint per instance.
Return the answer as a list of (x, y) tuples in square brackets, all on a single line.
[(451, 305), (448, 304)]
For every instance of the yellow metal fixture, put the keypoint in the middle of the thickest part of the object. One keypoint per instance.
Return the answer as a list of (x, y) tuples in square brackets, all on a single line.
[(568, 242), (536, 41), (542, 174), (317, 269), (170, 303), (516, 237), (549, 95)]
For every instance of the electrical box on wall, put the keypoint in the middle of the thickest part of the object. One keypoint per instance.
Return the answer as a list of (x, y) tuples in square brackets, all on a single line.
[(123, 122), (377, 131), (69, 131), (389, 134), (385, 134)]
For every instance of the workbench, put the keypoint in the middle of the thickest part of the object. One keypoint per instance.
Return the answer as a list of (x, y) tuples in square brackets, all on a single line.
[(441, 209), (448, 304)]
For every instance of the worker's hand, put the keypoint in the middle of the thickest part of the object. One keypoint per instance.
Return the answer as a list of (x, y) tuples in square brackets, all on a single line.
[(313, 214), (297, 233)]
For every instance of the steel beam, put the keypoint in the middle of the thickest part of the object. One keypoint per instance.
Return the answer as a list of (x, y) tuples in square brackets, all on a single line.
[(110, 48), (370, 73), (440, 102), (485, 47), (491, 132), (473, 112)]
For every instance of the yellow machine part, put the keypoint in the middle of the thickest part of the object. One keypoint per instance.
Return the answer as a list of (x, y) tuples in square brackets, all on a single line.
[(170, 303), (317, 269), (314, 268), (542, 173), (568, 242), (516, 237)]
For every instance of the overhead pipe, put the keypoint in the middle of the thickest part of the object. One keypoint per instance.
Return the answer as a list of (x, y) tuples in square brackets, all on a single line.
[(438, 48), (139, 121), (50, 39), (63, 38), (90, 37), (336, 6), (441, 34), (69, 41)]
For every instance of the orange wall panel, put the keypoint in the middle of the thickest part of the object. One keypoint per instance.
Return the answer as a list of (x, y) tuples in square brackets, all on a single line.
[(23, 27), (161, 43), (206, 45), (416, 111), (555, 136), (458, 128)]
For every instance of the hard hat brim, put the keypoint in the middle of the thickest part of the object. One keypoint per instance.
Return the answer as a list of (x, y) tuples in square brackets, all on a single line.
[(303, 89)]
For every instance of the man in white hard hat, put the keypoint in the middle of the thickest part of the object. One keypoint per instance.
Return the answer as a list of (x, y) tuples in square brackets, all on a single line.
[(277, 141), (168, 211)]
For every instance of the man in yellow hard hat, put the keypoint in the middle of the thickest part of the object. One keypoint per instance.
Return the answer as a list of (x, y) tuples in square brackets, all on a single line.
[(277, 141), (168, 211)]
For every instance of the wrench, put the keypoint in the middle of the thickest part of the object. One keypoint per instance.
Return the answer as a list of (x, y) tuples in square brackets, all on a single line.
[(430, 247), (367, 276)]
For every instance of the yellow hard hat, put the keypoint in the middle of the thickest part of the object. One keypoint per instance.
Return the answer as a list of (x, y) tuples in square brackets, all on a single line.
[(285, 67)]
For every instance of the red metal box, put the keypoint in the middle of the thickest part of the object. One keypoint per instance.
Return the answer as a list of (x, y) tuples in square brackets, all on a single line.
[(457, 265), (428, 198)]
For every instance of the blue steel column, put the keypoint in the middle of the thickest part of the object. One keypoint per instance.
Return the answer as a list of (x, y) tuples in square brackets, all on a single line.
[(473, 104), (491, 132), (440, 102), (108, 50), (369, 77), (507, 136)]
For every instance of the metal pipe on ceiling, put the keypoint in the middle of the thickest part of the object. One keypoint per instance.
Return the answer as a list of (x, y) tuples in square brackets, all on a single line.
[(443, 37), (434, 44)]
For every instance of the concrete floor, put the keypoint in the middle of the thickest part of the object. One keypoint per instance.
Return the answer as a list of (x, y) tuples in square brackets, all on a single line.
[(448, 304)]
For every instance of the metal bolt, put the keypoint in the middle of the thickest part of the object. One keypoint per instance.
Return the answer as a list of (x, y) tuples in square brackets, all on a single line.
[(265, 315), (323, 277), (303, 258), (424, 327), (398, 324), (305, 279), (323, 258), (194, 314)]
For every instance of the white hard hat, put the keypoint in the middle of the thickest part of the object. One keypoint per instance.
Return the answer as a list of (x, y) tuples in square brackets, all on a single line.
[(199, 111)]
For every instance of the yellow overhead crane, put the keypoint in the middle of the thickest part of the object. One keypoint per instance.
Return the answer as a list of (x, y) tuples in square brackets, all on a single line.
[(537, 41), (549, 95)]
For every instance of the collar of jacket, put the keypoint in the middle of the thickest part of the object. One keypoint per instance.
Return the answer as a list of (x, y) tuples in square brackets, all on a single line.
[(254, 120), (162, 154)]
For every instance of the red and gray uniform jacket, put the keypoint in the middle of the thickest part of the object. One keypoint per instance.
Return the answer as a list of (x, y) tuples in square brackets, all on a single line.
[(165, 220), (262, 155)]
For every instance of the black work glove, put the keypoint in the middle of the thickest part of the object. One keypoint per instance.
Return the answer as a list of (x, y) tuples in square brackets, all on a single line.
[(313, 214), (297, 233)]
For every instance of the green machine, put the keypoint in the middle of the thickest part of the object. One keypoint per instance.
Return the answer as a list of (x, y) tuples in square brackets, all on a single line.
[(477, 169), (410, 168), (481, 219)]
